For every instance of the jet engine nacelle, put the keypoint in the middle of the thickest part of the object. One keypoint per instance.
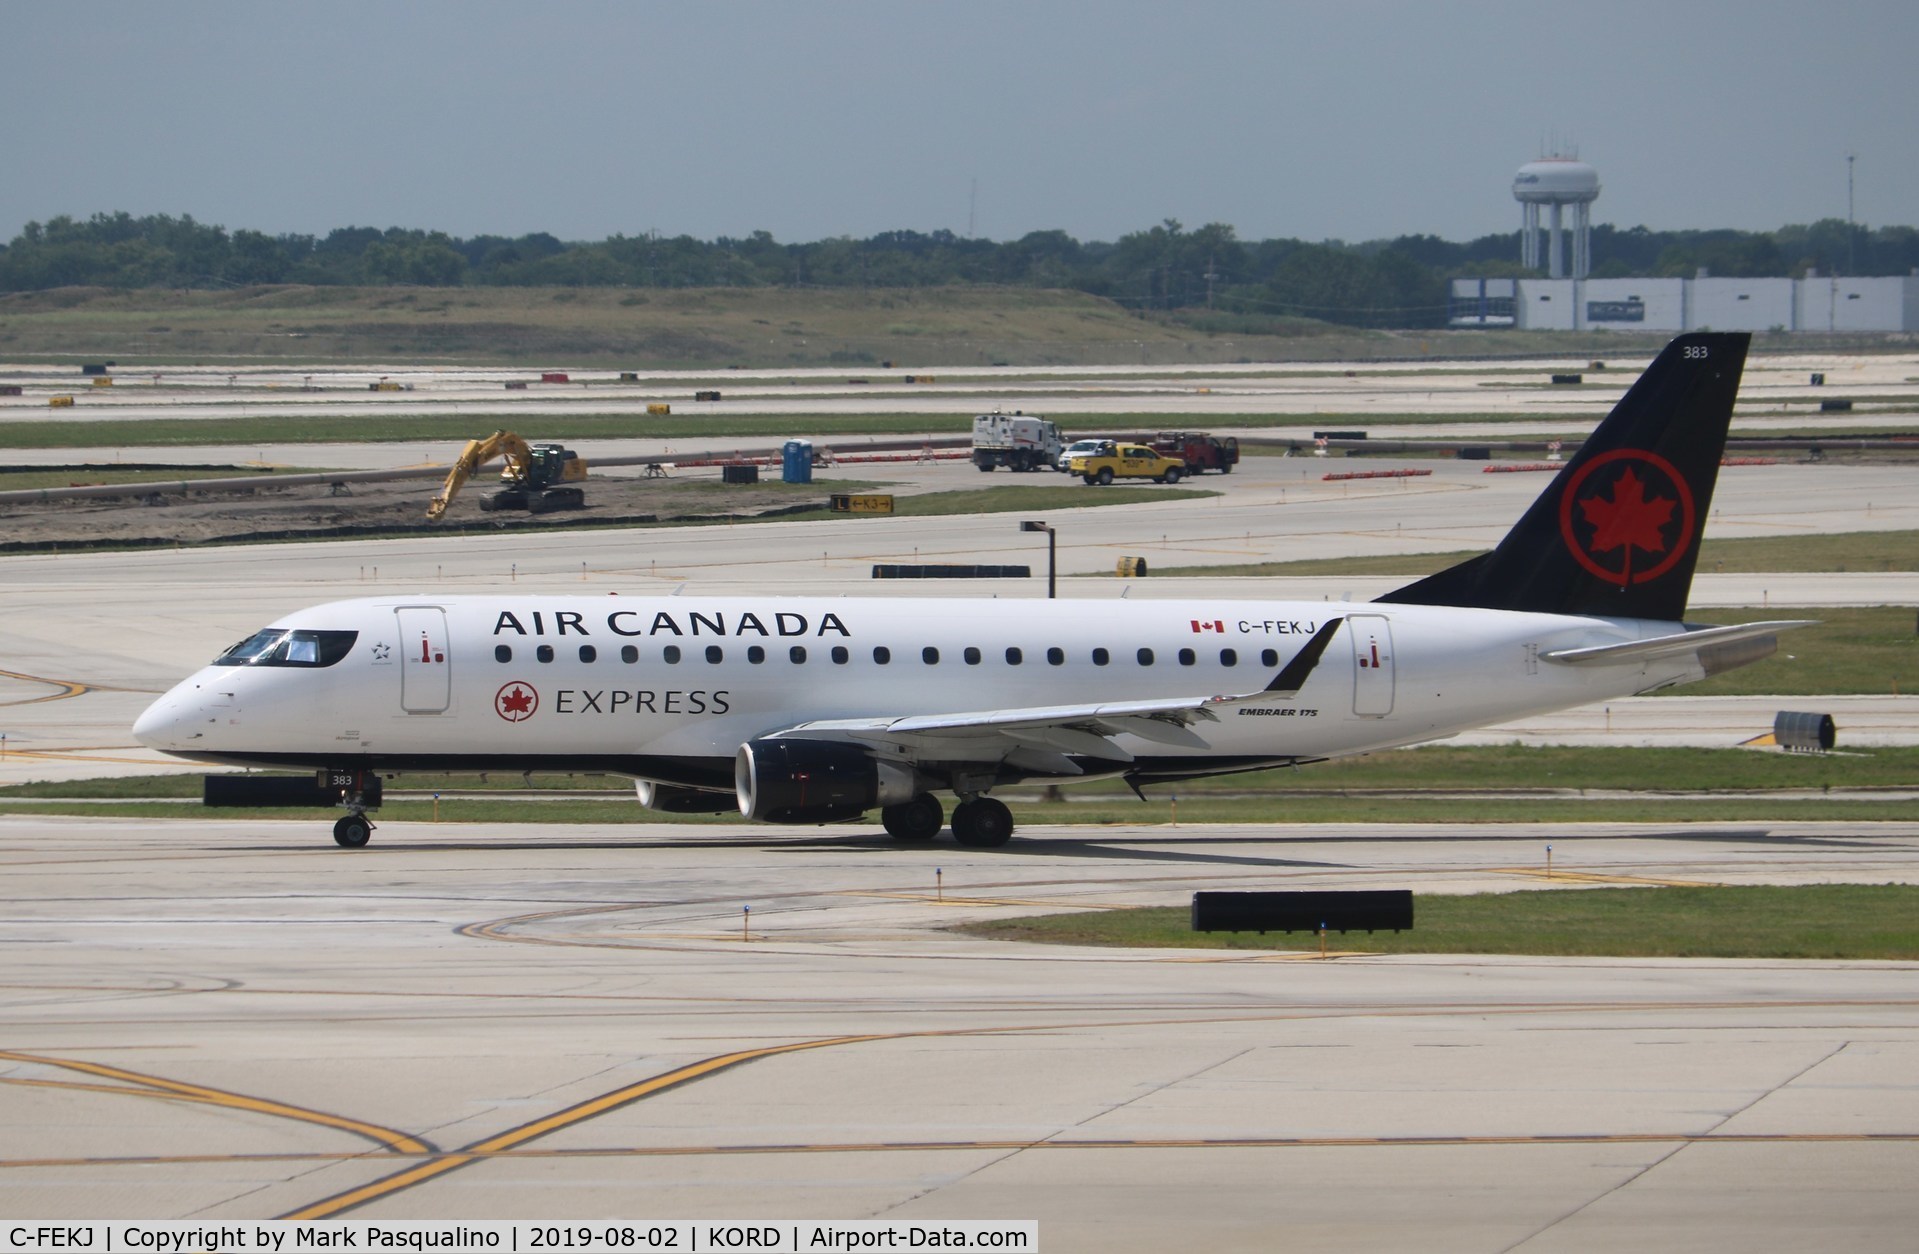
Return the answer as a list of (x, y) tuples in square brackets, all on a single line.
[(815, 781), (673, 799)]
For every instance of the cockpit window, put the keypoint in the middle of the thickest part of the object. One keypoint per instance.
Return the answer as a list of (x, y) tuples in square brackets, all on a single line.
[(281, 646)]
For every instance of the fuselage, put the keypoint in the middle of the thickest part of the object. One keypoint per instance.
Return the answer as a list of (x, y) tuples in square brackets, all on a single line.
[(668, 689)]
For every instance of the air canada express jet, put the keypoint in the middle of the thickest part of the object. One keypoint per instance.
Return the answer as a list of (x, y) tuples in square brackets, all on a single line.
[(820, 710)]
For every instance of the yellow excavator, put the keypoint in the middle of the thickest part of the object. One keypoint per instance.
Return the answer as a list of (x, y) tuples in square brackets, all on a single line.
[(533, 479)]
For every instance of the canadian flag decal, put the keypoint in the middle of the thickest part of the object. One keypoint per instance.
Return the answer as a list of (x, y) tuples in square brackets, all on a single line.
[(1215, 625)]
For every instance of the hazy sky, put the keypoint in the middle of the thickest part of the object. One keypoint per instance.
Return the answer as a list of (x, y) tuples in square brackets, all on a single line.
[(1348, 120)]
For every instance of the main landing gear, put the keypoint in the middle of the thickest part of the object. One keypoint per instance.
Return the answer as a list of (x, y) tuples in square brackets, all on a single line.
[(981, 823), (916, 820)]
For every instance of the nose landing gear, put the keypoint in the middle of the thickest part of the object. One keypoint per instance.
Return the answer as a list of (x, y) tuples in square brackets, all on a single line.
[(352, 831), (358, 791)]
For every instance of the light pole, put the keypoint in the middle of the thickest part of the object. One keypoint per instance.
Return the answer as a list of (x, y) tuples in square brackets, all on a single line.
[(1052, 555)]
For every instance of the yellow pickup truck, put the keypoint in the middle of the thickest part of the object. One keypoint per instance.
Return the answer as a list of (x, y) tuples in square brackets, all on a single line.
[(1127, 461)]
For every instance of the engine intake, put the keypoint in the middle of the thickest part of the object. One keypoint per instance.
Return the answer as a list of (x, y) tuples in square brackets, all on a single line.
[(815, 781)]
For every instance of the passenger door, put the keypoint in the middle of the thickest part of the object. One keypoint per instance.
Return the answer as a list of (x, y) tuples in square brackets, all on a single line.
[(1372, 637), (426, 672)]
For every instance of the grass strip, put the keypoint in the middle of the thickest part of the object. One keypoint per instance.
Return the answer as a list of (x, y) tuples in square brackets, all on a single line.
[(1448, 769), (1826, 921), (1187, 812), (1846, 551), (702, 431)]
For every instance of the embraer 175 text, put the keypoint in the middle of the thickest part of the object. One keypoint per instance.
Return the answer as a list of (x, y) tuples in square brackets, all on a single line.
[(818, 710)]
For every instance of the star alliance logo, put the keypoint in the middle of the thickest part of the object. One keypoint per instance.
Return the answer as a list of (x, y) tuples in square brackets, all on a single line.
[(382, 652)]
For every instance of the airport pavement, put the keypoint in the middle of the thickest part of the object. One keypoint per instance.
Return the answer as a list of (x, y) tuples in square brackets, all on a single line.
[(227, 1020)]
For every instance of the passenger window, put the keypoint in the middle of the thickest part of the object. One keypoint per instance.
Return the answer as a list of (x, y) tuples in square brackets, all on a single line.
[(1269, 657), (1187, 657), (1013, 656), (755, 654), (882, 654), (715, 654), (503, 653), (797, 654), (1145, 657), (971, 655), (1056, 656), (840, 655), (1101, 657), (588, 653), (930, 656), (544, 653), (629, 653), (671, 654), (1229, 657)]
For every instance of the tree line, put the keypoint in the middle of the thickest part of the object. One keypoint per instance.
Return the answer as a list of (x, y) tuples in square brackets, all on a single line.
[(1393, 283)]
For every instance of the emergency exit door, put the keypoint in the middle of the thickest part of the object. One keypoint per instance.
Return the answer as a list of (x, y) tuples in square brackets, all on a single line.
[(1372, 636), (426, 672)]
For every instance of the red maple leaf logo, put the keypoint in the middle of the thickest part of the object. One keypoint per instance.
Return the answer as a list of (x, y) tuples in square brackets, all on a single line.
[(1629, 518), (515, 702)]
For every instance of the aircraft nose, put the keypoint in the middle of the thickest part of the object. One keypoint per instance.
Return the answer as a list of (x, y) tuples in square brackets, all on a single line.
[(172, 722)]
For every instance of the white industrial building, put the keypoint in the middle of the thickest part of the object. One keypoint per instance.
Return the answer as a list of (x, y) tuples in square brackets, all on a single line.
[(1568, 300), (1814, 303)]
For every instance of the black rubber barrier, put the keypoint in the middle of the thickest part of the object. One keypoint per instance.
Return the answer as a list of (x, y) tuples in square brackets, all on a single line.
[(951, 572), (1374, 910)]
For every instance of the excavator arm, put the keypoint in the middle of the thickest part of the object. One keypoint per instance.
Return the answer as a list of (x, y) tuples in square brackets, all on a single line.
[(477, 454)]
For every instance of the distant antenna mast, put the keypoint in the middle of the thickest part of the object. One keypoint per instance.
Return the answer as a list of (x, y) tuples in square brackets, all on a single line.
[(1852, 231), (972, 202)]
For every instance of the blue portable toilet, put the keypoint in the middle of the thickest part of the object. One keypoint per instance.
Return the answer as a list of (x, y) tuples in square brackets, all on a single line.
[(796, 465)]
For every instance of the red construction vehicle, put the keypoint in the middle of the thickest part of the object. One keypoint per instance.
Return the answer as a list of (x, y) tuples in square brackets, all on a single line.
[(1200, 451)]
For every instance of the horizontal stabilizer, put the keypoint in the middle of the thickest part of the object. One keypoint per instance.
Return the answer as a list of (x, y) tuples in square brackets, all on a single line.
[(1671, 646)]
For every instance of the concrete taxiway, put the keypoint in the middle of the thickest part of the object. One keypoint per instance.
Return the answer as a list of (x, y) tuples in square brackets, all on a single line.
[(235, 1020)]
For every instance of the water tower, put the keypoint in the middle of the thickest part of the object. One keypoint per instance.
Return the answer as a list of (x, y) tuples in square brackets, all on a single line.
[(1557, 181)]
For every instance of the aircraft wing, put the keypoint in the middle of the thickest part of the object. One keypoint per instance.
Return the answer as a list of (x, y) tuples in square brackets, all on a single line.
[(1040, 738), (1672, 646)]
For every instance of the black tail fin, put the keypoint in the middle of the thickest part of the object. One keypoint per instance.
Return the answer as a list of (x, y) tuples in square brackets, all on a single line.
[(1617, 533)]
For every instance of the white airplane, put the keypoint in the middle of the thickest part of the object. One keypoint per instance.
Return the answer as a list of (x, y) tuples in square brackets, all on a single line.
[(819, 710)]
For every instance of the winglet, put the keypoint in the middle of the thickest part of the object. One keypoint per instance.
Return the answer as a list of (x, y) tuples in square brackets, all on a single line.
[(1292, 677)]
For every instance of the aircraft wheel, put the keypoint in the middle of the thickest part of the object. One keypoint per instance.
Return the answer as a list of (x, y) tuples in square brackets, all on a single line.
[(982, 823), (1105, 476), (918, 819), (352, 832)]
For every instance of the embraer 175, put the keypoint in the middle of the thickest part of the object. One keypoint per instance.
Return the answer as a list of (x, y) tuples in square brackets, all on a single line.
[(812, 711)]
